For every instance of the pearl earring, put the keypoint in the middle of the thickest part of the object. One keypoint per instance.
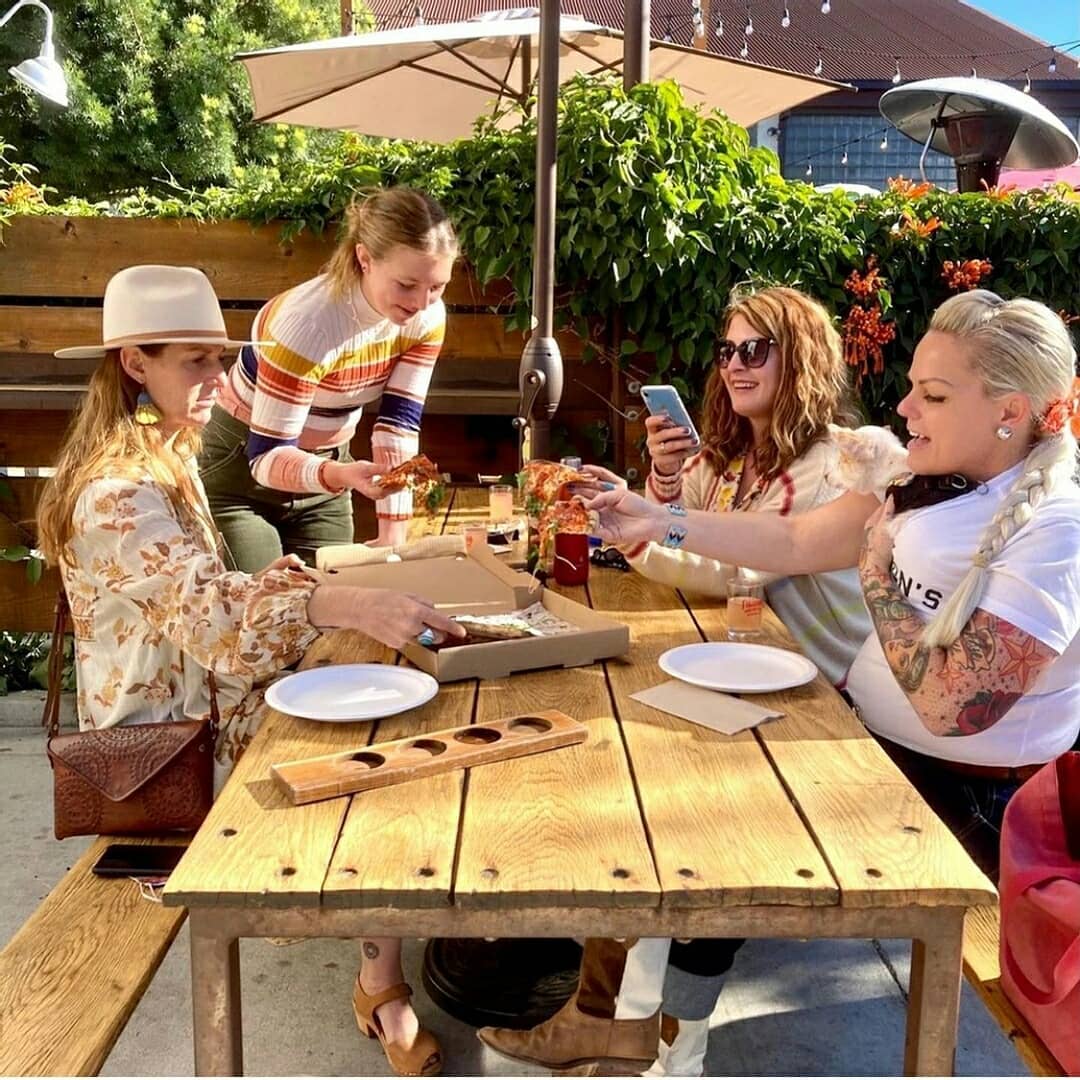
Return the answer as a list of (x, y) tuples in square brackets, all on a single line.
[(1004, 433)]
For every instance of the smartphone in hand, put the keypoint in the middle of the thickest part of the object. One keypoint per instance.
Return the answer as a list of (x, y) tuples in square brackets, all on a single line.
[(665, 401)]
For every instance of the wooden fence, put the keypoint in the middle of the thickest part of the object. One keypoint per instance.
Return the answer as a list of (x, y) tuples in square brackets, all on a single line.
[(53, 272)]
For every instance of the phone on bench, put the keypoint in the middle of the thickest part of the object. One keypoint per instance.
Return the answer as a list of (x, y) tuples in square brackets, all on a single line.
[(139, 860), (665, 401)]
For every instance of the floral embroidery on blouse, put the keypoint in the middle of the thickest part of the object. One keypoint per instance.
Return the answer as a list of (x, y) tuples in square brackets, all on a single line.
[(728, 487), (153, 607)]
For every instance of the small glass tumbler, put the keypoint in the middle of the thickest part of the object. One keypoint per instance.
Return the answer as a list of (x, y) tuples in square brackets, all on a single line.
[(475, 534), (745, 608), (500, 503), (571, 558)]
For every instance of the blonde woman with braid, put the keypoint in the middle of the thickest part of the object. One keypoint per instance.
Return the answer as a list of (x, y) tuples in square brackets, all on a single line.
[(971, 679)]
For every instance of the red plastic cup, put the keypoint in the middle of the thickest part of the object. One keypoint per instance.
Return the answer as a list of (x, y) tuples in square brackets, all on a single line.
[(571, 558)]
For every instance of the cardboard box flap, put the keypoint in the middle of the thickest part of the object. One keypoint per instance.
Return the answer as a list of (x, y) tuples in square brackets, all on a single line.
[(458, 584)]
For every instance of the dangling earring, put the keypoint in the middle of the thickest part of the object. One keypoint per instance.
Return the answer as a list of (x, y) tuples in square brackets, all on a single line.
[(1004, 433), (146, 412)]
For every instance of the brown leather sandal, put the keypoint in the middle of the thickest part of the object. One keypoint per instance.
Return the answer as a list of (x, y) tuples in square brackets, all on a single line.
[(423, 1058)]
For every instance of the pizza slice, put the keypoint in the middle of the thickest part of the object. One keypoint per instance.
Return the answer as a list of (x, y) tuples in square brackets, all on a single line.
[(421, 476), (544, 483)]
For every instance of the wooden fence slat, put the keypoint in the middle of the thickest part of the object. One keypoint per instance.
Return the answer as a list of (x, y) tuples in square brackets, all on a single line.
[(871, 825), (724, 783), (75, 257)]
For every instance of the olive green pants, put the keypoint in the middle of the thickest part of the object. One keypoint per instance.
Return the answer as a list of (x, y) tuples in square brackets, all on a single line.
[(260, 524)]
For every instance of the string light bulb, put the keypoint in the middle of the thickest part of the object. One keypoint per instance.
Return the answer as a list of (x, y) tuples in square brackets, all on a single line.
[(785, 22), (819, 67), (719, 27), (843, 160), (749, 28), (1027, 80), (667, 31), (418, 16), (974, 73), (744, 52), (896, 74), (1052, 66), (884, 142), (826, 7), (809, 168)]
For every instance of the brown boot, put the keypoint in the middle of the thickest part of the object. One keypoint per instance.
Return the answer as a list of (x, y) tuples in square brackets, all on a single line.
[(584, 1031)]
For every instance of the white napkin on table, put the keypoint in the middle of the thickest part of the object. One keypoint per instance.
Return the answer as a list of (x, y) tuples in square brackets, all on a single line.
[(709, 708)]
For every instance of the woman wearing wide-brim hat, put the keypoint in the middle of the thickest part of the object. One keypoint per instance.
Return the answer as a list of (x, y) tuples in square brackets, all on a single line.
[(154, 607), (363, 335)]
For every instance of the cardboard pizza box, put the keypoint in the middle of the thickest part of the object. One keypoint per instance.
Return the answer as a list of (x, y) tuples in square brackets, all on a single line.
[(478, 584)]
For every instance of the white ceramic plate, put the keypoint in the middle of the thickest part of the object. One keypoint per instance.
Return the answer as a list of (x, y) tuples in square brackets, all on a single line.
[(737, 667), (339, 693)]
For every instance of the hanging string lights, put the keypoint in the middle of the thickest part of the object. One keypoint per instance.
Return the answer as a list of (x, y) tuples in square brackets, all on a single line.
[(897, 76), (785, 22)]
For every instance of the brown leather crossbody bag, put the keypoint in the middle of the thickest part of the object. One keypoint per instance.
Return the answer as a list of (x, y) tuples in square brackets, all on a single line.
[(127, 781)]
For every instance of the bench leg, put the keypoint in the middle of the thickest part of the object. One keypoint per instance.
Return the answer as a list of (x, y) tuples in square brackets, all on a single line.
[(215, 999), (934, 997)]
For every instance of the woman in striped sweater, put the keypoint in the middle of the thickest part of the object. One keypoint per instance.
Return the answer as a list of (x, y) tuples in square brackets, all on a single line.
[(275, 460)]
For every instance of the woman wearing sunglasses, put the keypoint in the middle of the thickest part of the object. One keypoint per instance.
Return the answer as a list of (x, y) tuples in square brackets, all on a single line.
[(971, 679), (778, 382)]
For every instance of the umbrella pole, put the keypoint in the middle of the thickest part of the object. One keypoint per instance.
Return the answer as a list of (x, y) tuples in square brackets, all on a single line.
[(540, 376), (636, 42)]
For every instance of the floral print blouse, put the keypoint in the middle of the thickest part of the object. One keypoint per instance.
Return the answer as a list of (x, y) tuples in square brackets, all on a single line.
[(153, 607)]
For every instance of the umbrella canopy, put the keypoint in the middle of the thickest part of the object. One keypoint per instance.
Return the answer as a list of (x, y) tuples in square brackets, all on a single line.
[(432, 82)]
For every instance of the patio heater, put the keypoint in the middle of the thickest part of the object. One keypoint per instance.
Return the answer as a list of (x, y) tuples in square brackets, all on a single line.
[(42, 74), (982, 125)]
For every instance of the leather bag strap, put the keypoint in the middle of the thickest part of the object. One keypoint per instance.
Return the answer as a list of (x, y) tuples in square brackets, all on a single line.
[(215, 715), (50, 719)]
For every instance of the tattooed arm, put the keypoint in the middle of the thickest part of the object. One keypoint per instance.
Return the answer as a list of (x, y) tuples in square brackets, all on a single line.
[(960, 690)]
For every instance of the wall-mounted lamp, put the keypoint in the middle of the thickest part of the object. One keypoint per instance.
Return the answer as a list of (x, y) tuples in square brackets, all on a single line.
[(42, 74)]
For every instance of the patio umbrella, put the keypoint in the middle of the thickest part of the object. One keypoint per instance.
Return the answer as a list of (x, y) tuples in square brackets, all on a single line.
[(432, 82)]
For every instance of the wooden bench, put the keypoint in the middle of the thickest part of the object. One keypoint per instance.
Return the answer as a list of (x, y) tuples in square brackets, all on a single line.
[(982, 970), (73, 974)]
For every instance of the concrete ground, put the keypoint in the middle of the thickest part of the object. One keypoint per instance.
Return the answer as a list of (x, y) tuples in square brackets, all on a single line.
[(833, 1008)]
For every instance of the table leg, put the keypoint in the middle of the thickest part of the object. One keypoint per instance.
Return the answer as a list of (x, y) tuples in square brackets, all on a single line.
[(215, 999), (934, 997)]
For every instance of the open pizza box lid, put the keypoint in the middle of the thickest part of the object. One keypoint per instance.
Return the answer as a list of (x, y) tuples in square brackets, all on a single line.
[(478, 584)]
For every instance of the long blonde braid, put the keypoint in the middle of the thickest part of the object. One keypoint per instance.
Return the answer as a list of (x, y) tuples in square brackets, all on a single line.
[(1016, 346)]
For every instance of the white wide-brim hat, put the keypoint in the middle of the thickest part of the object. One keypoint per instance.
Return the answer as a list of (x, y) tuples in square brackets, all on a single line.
[(158, 305)]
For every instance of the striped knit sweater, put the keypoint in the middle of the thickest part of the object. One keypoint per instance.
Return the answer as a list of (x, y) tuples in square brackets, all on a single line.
[(317, 362), (824, 612)]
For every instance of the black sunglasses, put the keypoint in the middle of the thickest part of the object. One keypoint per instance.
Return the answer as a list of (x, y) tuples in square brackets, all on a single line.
[(611, 557), (754, 351)]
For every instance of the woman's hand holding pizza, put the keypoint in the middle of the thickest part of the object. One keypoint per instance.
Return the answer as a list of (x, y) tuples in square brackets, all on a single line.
[(625, 518), (362, 476)]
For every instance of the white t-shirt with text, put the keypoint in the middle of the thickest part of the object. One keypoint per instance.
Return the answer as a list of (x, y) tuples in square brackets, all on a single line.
[(1034, 583)]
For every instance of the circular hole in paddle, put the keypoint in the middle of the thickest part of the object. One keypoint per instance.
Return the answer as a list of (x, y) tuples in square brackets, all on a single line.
[(478, 736), (805, 873), (619, 872), (426, 871), (489, 873), (347, 871), (871, 872), (287, 871), (434, 747), (530, 725), (912, 829), (228, 832), (685, 871), (368, 759)]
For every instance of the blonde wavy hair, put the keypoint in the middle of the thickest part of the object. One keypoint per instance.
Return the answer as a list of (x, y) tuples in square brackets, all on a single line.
[(1015, 346), (104, 441), (382, 218), (814, 389)]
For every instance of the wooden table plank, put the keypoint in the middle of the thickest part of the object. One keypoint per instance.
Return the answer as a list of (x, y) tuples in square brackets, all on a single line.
[(884, 845), (255, 847), (724, 784), (561, 828)]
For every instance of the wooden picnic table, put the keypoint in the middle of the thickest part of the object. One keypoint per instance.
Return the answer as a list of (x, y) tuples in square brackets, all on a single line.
[(654, 827)]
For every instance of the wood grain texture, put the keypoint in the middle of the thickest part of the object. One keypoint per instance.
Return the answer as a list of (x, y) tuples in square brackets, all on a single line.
[(559, 828), (883, 843), (982, 968), (747, 844), (73, 974), (388, 762), (254, 847), (58, 256)]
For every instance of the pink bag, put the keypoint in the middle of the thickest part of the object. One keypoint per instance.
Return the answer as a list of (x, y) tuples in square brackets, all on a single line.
[(1040, 906)]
